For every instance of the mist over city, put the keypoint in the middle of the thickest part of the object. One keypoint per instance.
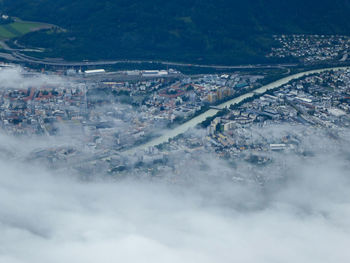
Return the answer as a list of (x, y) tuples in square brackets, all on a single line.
[(201, 131), (207, 209)]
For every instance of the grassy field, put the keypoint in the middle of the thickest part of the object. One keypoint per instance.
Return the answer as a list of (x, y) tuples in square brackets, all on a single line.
[(19, 28)]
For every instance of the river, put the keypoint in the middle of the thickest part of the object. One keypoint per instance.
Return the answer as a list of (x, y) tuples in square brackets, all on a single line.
[(171, 133)]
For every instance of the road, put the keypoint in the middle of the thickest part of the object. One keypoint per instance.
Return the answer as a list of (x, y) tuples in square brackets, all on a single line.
[(169, 134), (16, 55), (51, 62)]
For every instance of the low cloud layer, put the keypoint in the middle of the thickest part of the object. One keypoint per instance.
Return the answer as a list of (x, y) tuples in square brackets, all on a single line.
[(18, 78), (300, 217), (299, 214)]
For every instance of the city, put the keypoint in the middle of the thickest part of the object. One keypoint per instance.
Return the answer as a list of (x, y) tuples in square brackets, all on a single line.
[(210, 131), (112, 122)]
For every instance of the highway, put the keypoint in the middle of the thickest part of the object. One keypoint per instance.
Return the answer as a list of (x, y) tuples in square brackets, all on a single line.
[(51, 62), (169, 134), (16, 55)]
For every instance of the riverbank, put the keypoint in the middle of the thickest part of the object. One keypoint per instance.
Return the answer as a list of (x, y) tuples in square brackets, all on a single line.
[(169, 134)]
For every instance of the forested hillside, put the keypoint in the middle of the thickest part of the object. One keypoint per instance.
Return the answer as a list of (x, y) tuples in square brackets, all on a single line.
[(207, 31)]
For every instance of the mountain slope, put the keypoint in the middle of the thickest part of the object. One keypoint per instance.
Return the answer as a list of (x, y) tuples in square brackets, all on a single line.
[(220, 31)]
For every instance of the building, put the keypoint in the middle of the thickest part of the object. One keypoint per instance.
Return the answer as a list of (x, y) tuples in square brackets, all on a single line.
[(154, 73), (94, 72), (212, 97)]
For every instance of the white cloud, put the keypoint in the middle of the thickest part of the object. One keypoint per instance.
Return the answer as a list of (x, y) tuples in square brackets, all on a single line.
[(18, 78), (300, 215), (49, 217)]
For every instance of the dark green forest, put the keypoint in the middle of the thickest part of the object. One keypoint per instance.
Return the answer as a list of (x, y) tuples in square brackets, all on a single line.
[(197, 31)]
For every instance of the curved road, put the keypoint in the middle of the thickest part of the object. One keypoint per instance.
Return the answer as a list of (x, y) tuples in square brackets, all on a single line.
[(169, 134), (16, 55), (28, 59)]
